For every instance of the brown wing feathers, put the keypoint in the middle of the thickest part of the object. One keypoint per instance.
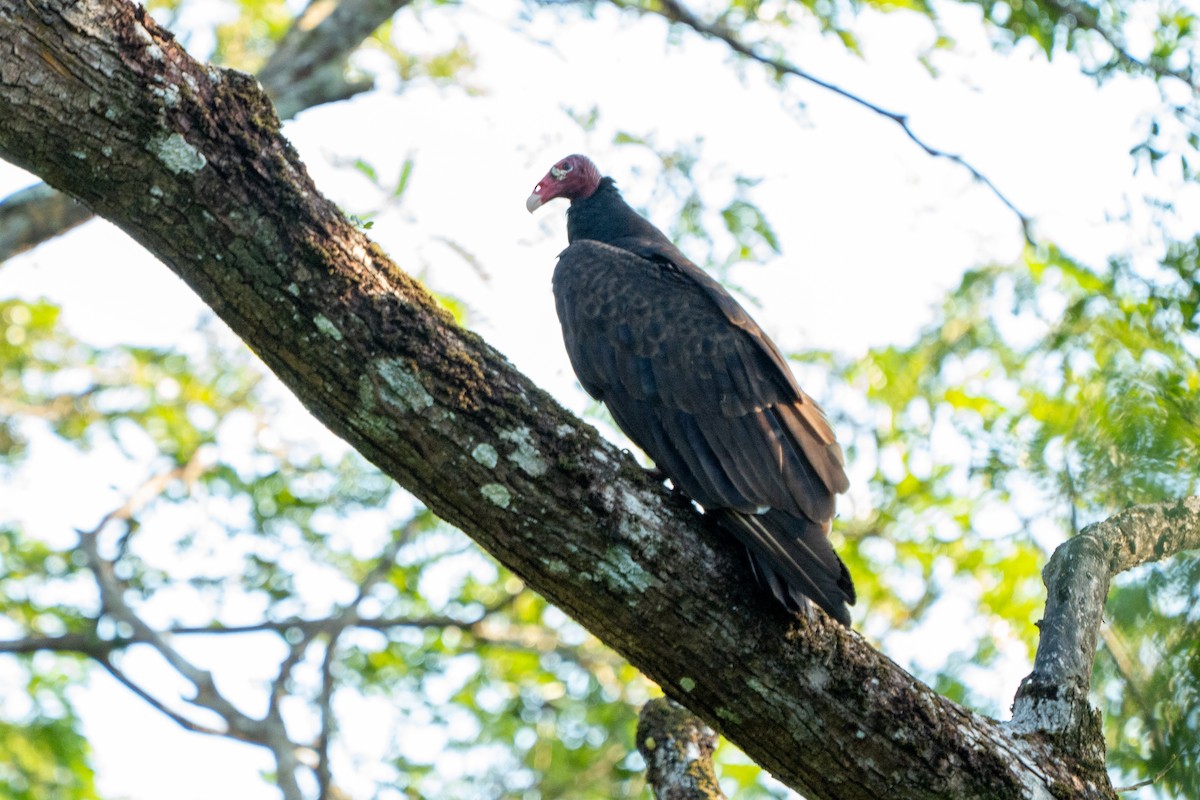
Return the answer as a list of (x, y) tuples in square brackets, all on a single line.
[(691, 378), (694, 381)]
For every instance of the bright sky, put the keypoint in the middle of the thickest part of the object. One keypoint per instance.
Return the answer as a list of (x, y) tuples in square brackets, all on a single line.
[(873, 231)]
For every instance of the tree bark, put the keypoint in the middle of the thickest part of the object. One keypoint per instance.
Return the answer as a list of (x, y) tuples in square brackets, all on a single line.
[(188, 159), (1054, 696), (307, 69), (678, 749)]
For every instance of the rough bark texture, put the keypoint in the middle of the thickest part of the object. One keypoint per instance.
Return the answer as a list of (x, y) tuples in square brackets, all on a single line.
[(1054, 697), (307, 69), (188, 159), (677, 746)]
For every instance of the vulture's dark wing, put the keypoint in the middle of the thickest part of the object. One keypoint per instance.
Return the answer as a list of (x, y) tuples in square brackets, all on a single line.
[(696, 384)]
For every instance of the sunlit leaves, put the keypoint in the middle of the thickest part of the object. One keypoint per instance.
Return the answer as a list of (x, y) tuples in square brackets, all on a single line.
[(447, 65), (248, 40), (272, 537), (1048, 394), (45, 755)]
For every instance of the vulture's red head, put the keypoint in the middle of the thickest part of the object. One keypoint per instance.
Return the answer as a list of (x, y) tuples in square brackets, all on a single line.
[(574, 177)]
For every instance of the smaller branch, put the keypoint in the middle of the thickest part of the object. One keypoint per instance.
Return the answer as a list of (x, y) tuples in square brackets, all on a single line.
[(1088, 19), (149, 490), (327, 625), (31, 216), (100, 651), (113, 604), (269, 732), (279, 685), (275, 737), (347, 617), (676, 12), (87, 644), (183, 722), (307, 69), (678, 748), (1053, 698), (325, 708), (1153, 779)]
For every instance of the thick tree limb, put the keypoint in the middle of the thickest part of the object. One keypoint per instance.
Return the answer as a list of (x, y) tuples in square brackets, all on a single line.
[(188, 159), (1053, 698), (678, 748), (306, 70)]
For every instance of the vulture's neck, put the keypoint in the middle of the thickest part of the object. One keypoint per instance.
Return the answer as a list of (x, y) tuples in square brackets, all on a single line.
[(604, 216)]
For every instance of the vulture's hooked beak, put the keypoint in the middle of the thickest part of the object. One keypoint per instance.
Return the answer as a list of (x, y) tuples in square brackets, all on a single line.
[(535, 200)]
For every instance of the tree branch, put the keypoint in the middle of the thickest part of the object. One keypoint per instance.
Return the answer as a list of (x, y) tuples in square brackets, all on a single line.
[(346, 618), (88, 644), (371, 354), (1053, 698), (91, 645), (678, 749), (181, 720), (35, 214), (678, 13), (307, 69), (268, 732), (1088, 18)]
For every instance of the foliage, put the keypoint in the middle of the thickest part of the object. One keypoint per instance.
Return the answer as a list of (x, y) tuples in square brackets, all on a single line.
[(45, 755), (266, 538), (1047, 395)]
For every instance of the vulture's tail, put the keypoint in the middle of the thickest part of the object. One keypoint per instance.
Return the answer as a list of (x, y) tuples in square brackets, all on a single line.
[(793, 558)]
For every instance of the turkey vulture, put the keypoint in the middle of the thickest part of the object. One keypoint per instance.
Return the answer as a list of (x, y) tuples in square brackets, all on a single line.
[(694, 381)]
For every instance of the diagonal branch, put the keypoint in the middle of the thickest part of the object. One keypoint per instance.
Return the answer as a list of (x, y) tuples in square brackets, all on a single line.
[(180, 719), (346, 618), (307, 69), (1088, 18), (678, 13)]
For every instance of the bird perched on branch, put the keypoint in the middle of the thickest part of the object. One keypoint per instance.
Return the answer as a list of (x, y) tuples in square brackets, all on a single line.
[(694, 381)]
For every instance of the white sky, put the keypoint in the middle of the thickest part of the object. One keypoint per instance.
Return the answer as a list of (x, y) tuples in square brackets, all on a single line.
[(873, 231)]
